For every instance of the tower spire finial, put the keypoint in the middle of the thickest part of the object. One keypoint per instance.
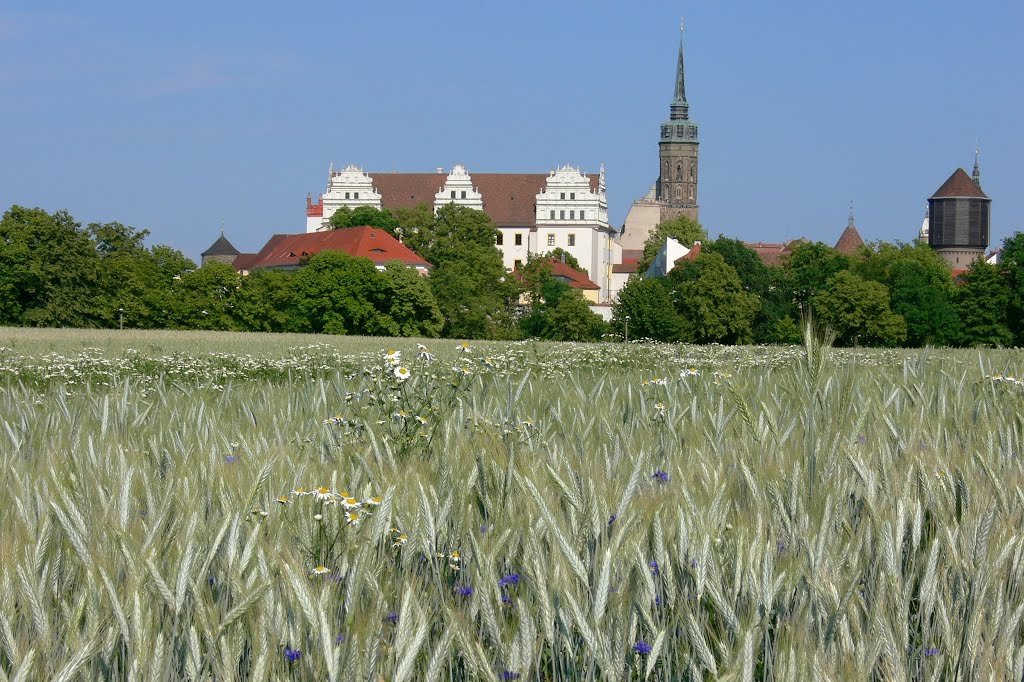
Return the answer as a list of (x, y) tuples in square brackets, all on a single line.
[(850, 222), (976, 173), (680, 108)]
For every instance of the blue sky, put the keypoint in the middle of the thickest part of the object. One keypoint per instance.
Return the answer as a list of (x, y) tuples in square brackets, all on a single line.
[(178, 116)]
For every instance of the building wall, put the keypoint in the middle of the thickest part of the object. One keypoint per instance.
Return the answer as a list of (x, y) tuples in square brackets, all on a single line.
[(644, 215)]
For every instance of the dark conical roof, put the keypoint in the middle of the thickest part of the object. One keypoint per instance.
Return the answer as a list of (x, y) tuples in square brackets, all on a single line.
[(221, 247), (959, 184), (849, 241)]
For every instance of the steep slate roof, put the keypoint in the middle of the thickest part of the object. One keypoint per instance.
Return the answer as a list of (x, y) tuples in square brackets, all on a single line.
[(288, 250), (959, 184), (849, 241), (510, 199), (221, 247)]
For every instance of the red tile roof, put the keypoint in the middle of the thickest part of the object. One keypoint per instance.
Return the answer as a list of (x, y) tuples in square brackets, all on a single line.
[(769, 253), (849, 241), (289, 250), (510, 199), (959, 184), (568, 274), (691, 255)]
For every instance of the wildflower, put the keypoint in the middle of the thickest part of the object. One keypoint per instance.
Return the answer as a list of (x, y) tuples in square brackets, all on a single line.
[(300, 491), (484, 528), (401, 414), (642, 648), (507, 580), (318, 517), (505, 599), (454, 561), (660, 407), (230, 459), (931, 651), (509, 675), (292, 654), (352, 518), (391, 618), (393, 357), (339, 639), (374, 501), (464, 591), (660, 476), (401, 539), (611, 519), (463, 347), (402, 373), (654, 567), (421, 420), (322, 494), (282, 500), (350, 503), (321, 570), (487, 362)]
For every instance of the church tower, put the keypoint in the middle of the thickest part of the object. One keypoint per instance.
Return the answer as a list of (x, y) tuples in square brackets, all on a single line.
[(678, 152)]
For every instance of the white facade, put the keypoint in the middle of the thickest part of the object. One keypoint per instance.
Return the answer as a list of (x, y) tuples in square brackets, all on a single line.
[(458, 189), (350, 187), (671, 251)]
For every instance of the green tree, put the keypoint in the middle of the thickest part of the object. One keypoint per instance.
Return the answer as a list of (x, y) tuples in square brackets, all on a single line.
[(920, 289), (469, 280), (647, 303), (409, 303), (808, 267), (364, 215), (48, 270), (204, 298), (686, 231), (415, 226), (983, 301), (572, 320), (558, 253), (858, 311), (266, 302), (1012, 267), (711, 301), (338, 294)]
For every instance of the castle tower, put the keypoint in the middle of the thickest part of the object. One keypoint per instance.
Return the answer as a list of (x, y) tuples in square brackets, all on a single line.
[(959, 218), (678, 152)]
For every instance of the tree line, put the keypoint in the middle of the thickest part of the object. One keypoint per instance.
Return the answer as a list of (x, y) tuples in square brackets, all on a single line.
[(56, 273)]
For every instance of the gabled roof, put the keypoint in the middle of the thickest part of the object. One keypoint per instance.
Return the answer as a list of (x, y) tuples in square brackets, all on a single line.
[(289, 250), (221, 247), (769, 253), (571, 276), (690, 255), (959, 184), (849, 241), (510, 199)]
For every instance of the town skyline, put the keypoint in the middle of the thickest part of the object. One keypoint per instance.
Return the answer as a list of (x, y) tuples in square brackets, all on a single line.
[(184, 128)]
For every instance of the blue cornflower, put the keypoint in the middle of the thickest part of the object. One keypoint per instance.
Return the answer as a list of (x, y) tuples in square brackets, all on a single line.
[(642, 648), (660, 476), (464, 591), (509, 675), (230, 459), (510, 579), (611, 519), (781, 547), (292, 654), (654, 567), (391, 618), (862, 439), (657, 600), (484, 528), (505, 599), (339, 639), (931, 651)]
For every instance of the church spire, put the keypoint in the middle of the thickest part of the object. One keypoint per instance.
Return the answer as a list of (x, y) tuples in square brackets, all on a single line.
[(976, 173), (849, 221), (680, 108)]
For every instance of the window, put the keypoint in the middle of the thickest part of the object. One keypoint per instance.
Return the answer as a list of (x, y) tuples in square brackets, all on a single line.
[(572, 215), (551, 240), (347, 195), (552, 215), (519, 238), (500, 240), (357, 195), (572, 240), (453, 194), (572, 195), (518, 265), (561, 215), (581, 215), (463, 194), (563, 196)]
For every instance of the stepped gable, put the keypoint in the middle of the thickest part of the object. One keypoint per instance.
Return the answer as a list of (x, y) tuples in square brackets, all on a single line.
[(289, 250), (510, 199), (849, 241), (221, 247), (959, 184)]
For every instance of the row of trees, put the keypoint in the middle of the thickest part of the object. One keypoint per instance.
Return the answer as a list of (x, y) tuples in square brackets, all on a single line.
[(884, 295), (55, 273)]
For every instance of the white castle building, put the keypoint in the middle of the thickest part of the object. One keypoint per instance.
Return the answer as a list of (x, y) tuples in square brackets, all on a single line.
[(534, 213)]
